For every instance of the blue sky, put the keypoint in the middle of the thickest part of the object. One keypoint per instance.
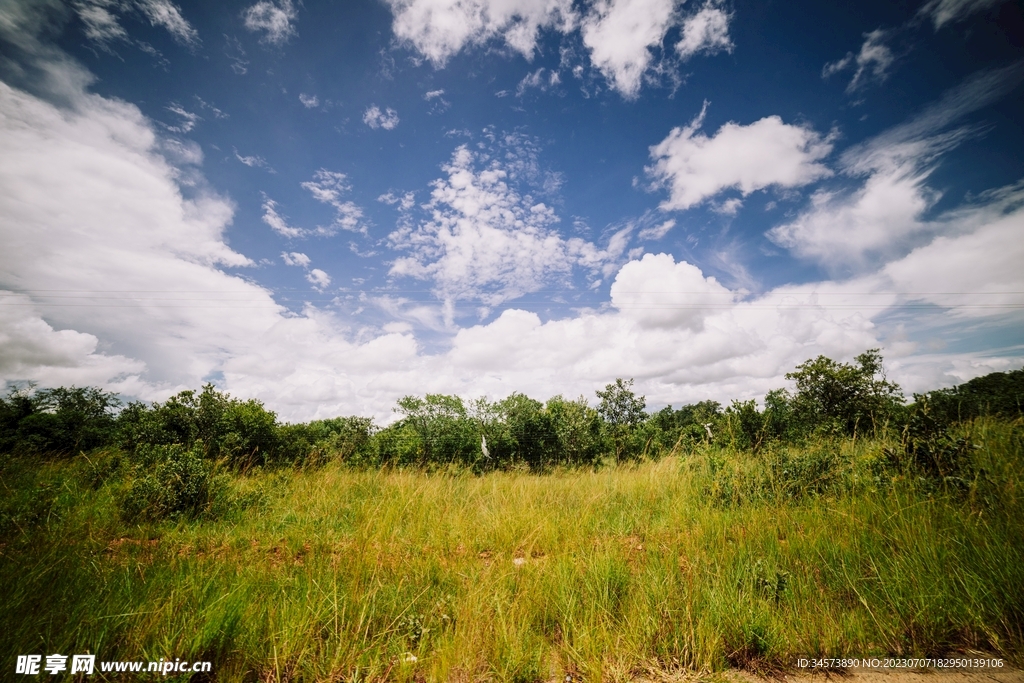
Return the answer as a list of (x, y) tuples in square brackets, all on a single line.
[(328, 206)]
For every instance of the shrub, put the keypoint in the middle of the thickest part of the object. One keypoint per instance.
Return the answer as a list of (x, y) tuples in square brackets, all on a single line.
[(179, 484)]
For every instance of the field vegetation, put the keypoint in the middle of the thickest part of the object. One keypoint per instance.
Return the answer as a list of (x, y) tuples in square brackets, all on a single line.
[(516, 540)]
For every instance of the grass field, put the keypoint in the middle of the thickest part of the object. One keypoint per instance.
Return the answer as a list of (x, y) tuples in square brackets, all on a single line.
[(697, 562)]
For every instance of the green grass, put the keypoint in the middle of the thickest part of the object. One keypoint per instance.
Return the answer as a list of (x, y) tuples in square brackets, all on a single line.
[(698, 563)]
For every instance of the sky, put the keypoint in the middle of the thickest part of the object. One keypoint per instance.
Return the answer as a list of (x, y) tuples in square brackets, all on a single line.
[(329, 206)]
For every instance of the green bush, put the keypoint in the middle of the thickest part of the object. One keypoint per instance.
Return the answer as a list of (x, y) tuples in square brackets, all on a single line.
[(173, 482)]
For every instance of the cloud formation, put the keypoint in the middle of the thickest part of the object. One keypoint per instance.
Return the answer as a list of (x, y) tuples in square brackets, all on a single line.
[(487, 239), (623, 38), (885, 215), (375, 118), (100, 18), (694, 167), (274, 19), (620, 35), (707, 31), (438, 29), (942, 12), (328, 187), (871, 63)]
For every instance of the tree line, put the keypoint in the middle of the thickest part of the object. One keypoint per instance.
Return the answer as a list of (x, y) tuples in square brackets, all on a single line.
[(829, 398)]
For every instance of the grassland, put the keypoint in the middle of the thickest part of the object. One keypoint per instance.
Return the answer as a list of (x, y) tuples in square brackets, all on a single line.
[(696, 562)]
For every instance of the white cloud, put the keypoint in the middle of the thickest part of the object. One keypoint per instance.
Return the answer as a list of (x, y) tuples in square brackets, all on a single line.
[(295, 259), (620, 35), (404, 202), (765, 153), (730, 207), (486, 241), (117, 276), (975, 269), (885, 216), (89, 206), (278, 222), (273, 18), (439, 29), (254, 162), (188, 119), (327, 187), (705, 31), (318, 278), (375, 118), (943, 11), (658, 292), (309, 101), (841, 228), (431, 94), (656, 232), (872, 62), (101, 24), (101, 19), (623, 37), (168, 15)]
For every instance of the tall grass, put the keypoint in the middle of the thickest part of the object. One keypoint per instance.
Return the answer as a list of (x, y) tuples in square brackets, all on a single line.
[(711, 559)]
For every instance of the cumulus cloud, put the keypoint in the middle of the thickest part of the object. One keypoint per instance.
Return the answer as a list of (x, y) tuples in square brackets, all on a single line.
[(295, 259), (120, 276), (438, 29), (318, 278), (486, 240), (706, 31), (275, 19), (942, 12), (620, 35), (89, 206), (375, 118), (871, 63), (309, 101), (766, 153), (886, 213)]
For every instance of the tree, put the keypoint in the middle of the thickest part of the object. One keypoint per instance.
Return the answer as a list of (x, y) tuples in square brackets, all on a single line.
[(843, 397), (623, 411), (64, 420), (577, 429), (443, 424)]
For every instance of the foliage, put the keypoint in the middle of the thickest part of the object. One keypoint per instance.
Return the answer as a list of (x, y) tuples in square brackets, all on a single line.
[(831, 399), (999, 394), (62, 421), (844, 398), (664, 569), (178, 484), (622, 411), (577, 429), (445, 432)]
